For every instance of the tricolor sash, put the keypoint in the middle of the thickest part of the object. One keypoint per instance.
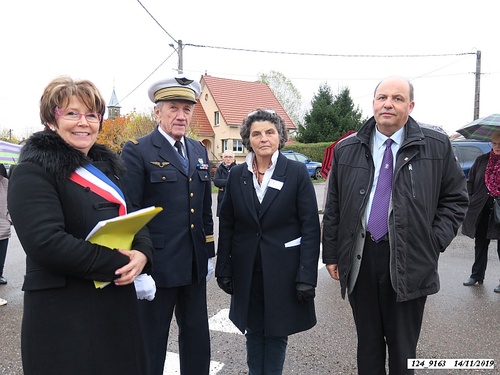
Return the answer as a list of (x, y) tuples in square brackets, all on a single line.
[(91, 177)]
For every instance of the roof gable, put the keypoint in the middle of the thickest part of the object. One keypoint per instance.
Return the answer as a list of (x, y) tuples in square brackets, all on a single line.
[(199, 122), (236, 99)]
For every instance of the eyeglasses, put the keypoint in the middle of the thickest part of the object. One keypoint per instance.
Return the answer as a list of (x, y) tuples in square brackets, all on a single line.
[(228, 157), (92, 117)]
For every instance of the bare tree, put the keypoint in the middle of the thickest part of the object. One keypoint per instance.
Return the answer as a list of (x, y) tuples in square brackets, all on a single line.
[(286, 93)]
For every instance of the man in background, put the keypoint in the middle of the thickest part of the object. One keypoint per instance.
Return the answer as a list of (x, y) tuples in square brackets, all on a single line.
[(221, 175)]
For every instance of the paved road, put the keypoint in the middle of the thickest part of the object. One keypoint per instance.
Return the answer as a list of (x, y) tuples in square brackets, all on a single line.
[(459, 322)]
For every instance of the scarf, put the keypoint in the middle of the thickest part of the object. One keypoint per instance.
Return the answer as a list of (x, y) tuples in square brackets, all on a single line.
[(91, 177), (492, 175)]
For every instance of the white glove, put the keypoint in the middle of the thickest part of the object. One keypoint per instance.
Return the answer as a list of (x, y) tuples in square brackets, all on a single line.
[(145, 287), (210, 269)]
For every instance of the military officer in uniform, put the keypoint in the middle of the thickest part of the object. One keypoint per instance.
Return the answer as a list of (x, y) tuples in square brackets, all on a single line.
[(168, 169)]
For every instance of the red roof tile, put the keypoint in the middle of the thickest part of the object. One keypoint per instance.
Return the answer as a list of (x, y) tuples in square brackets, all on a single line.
[(236, 99), (200, 123)]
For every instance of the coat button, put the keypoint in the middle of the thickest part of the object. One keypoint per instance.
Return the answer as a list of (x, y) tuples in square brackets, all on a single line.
[(190, 179), (191, 195), (192, 226), (358, 256), (192, 210), (163, 178)]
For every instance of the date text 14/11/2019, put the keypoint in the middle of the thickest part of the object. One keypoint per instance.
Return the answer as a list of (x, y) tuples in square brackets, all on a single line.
[(463, 363)]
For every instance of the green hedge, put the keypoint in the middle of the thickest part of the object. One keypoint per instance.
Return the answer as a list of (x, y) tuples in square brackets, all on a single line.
[(315, 151)]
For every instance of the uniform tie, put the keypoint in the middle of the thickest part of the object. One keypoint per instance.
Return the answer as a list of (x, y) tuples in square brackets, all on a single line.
[(378, 221), (178, 146)]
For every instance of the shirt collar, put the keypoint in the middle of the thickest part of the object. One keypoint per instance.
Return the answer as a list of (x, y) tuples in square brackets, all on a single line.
[(169, 138), (379, 138), (251, 155)]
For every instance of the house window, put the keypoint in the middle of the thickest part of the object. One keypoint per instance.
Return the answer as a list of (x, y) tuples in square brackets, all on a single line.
[(237, 146), (216, 118), (224, 145)]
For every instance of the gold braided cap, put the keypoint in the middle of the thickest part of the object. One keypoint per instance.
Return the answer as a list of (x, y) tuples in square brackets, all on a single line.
[(175, 88), (175, 93)]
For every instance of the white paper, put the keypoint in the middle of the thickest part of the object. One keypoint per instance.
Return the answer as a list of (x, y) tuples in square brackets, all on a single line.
[(295, 242)]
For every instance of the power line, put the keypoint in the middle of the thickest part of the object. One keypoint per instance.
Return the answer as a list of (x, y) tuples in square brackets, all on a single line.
[(144, 80), (154, 19), (303, 53), (326, 54), (179, 52)]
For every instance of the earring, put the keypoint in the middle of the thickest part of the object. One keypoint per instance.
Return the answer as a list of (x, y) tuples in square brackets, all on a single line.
[(52, 128)]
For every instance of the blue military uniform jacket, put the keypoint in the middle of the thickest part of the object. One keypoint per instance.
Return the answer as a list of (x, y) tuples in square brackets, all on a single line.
[(182, 233)]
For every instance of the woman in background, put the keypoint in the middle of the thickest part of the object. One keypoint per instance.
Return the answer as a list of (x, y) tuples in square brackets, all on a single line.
[(483, 184), (5, 222)]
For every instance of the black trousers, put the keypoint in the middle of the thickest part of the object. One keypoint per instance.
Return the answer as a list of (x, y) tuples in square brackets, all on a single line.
[(382, 324), (481, 245), (190, 305)]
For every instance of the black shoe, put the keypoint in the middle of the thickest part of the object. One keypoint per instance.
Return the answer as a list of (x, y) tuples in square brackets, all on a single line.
[(3, 280), (472, 281), (497, 289)]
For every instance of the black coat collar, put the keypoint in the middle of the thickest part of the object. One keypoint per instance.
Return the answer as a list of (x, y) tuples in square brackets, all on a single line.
[(57, 157)]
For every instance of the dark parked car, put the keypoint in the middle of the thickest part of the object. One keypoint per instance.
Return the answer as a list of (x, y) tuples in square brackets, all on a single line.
[(313, 167), (467, 151)]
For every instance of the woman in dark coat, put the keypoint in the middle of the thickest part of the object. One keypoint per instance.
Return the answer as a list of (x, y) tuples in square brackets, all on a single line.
[(483, 184), (268, 244), (221, 175), (69, 326)]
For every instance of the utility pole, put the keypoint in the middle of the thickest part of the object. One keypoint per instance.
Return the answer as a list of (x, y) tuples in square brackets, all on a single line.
[(478, 86), (180, 65)]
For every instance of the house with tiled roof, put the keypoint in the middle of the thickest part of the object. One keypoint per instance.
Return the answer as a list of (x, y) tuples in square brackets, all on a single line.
[(221, 108)]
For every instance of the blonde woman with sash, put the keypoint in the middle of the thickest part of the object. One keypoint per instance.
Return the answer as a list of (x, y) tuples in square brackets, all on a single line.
[(64, 184)]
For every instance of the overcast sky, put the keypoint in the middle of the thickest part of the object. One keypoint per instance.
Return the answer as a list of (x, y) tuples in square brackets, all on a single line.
[(116, 44)]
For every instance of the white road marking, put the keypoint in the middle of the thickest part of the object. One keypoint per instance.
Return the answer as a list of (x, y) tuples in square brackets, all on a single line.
[(220, 322), (172, 365)]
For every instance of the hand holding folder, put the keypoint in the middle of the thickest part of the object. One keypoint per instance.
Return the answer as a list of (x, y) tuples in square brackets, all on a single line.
[(119, 232)]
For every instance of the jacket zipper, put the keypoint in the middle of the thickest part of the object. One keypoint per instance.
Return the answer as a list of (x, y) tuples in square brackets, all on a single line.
[(410, 169)]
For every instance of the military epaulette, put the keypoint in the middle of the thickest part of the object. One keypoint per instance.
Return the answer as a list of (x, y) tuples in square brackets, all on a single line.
[(134, 141)]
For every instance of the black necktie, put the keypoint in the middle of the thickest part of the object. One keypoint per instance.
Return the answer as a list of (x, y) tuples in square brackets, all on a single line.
[(178, 146)]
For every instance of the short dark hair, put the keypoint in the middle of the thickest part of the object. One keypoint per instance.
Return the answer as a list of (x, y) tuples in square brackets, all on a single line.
[(263, 115)]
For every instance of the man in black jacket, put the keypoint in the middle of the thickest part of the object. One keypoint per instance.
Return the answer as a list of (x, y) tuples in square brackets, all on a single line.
[(388, 264)]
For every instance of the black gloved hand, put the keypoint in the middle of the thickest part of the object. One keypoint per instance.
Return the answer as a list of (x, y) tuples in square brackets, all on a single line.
[(226, 284), (305, 292)]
